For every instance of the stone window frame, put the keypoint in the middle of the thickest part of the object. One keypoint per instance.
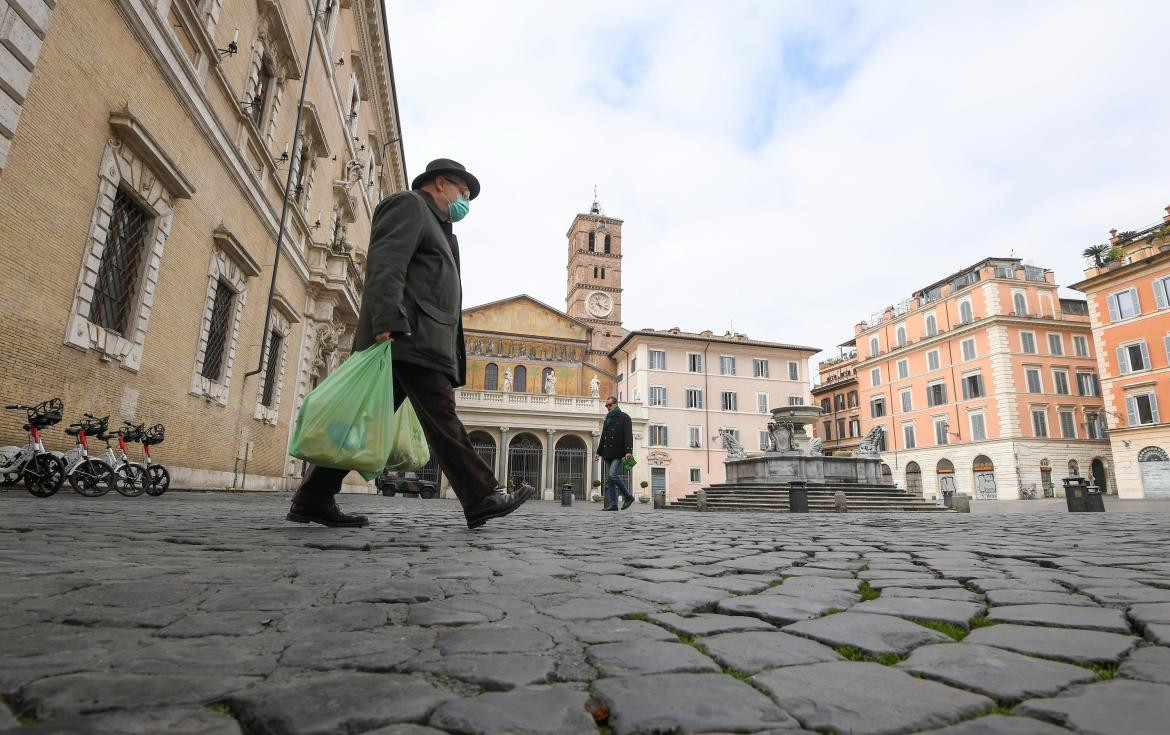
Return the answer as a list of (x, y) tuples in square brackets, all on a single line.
[(909, 440), (134, 162), (971, 414), (937, 360), (283, 317), (230, 263)]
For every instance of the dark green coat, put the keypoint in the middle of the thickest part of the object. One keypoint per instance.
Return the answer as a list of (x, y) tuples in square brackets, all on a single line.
[(413, 285)]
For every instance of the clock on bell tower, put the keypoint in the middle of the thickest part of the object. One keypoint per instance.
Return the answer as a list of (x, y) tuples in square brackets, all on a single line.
[(594, 289)]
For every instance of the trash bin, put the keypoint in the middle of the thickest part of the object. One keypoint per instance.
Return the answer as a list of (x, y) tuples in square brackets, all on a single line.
[(948, 498), (659, 499), (1075, 491), (797, 497), (567, 495), (1094, 501)]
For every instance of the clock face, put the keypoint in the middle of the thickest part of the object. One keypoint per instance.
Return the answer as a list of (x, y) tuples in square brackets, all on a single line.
[(599, 304)]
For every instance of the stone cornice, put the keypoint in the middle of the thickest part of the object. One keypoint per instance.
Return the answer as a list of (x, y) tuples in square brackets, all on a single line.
[(235, 250), (134, 134), (278, 32)]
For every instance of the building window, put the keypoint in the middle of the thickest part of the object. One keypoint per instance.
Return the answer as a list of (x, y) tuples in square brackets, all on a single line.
[(1040, 422), (826, 405), (972, 386), (936, 394), (763, 437), (1019, 303), (932, 361), (1094, 425), (1087, 384), (760, 368), (695, 474), (793, 371), (1141, 409), (657, 360), (908, 441), (762, 402), (115, 294), (1060, 382), (852, 399), (873, 347), (695, 437), (657, 435), (840, 428), (272, 364), (903, 369), (1068, 425), (726, 365), (694, 362), (1123, 305), (657, 395), (901, 335), (1080, 346), (1133, 357), (729, 400), (260, 92), (1032, 376), (491, 377), (1055, 345), (694, 398), (828, 425), (854, 427), (593, 245), (795, 400), (603, 273), (875, 376), (218, 332), (633, 366), (839, 402), (877, 407), (931, 325), (907, 397), (966, 314), (978, 427), (520, 379), (969, 349), (596, 271), (1027, 343), (941, 432), (275, 342)]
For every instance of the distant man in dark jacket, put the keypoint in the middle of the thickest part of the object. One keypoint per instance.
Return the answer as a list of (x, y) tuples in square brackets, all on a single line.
[(414, 298), (616, 443)]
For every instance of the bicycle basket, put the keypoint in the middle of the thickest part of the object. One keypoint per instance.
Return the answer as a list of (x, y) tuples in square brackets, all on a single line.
[(93, 427), (132, 433), (46, 414), (154, 435)]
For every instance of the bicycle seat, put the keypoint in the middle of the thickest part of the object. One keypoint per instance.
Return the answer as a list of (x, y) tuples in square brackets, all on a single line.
[(73, 430)]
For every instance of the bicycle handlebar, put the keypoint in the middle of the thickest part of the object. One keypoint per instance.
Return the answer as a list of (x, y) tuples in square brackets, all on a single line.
[(16, 407)]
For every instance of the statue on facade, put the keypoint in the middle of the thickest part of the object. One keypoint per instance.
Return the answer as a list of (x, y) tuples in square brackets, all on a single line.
[(814, 447), (595, 387), (869, 444), (731, 445), (550, 383), (507, 380), (523, 351)]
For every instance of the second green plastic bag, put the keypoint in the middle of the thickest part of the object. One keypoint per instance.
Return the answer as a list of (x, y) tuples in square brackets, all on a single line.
[(347, 421), (410, 451)]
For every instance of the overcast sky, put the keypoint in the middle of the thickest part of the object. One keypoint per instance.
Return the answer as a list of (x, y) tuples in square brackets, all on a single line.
[(786, 168)]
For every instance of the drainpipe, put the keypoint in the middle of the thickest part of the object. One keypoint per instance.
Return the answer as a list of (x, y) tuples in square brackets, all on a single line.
[(707, 403)]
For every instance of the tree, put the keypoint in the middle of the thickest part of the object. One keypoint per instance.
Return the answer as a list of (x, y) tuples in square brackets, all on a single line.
[(1101, 254)]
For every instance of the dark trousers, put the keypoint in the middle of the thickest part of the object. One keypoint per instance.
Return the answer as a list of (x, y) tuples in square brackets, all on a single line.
[(433, 398)]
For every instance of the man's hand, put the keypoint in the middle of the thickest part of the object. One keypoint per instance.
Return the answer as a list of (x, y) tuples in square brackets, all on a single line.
[(629, 454), (597, 458), (385, 336)]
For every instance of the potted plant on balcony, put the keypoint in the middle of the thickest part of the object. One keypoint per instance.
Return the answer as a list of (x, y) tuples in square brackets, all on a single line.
[(644, 497), (340, 245)]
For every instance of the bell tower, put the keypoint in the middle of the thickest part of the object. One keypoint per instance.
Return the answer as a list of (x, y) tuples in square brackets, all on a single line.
[(594, 288)]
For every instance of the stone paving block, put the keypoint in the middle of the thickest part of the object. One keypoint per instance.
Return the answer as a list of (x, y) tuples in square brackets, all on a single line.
[(390, 590), (1127, 595), (237, 623), (740, 584), (817, 572), (1150, 612), (918, 584), (491, 671), (948, 611), (647, 657), (555, 711), (592, 607), (776, 609), (839, 599), (871, 633), (1158, 633), (492, 639), (1132, 707), (662, 575), (7, 719), (864, 698), (687, 703), (618, 629), (145, 721), (337, 618), (275, 597), (960, 595), (325, 704), (773, 563), (755, 651), (797, 585), (1033, 597), (1000, 725), (676, 595), (95, 692), (1063, 616), (464, 610), (364, 650), (709, 623), (996, 672), (407, 729), (986, 584), (209, 655), (1150, 663), (1077, 646)]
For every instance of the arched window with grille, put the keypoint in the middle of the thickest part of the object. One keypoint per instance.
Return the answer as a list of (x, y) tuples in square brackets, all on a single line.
[(607, 243), (592, 242), (520, 380), (491, 377)]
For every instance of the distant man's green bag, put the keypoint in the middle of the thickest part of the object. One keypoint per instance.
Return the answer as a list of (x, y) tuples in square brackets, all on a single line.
[(348, 421)]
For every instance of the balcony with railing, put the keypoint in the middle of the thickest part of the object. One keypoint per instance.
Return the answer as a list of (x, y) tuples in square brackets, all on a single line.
[(530, 402)]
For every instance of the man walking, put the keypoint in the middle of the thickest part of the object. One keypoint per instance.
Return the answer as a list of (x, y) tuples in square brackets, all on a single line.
[(616, 443), (414, 298)]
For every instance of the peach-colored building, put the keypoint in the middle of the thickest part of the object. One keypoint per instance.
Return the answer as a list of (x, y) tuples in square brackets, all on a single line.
[(1130, 312), (986, 384), (695, 384), (839, 428)]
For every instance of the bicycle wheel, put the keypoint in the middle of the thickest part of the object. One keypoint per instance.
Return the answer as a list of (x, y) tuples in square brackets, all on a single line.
[(131, 479), (44, 475), (92, 478), (160, 480), (8, 479)]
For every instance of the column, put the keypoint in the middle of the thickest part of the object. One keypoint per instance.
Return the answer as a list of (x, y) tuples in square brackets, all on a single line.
[(502, 458), (549, 464), (593, 466)]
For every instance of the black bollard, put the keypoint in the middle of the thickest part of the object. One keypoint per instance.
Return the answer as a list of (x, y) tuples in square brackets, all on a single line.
[(567, 495)]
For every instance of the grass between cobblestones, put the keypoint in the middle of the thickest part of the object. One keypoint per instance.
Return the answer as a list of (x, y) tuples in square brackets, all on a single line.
[(852, 653), (981, 621), (957, 632), (867, 593), (637, 616), (1104, 672)]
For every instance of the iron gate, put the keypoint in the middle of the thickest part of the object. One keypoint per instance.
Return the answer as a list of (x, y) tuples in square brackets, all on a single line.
[(429, 471), (570, 465), (486, 449), (524, 457)]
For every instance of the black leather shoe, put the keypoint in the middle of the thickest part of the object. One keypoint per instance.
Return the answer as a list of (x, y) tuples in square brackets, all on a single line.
[(613, 509), (627, 502), (329, 515), (496, 505)]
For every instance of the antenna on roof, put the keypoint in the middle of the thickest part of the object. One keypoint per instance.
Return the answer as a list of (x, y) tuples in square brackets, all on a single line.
[(596, 208)]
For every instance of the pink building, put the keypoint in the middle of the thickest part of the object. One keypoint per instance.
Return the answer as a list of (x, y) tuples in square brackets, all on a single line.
[(693, 386), (985, 383)]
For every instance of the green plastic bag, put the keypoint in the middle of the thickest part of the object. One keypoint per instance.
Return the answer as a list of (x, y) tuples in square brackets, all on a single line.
[(410, 451), (629, 463), (347, 421)]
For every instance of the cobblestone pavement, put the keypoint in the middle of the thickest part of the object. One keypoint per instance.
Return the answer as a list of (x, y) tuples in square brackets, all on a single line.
[(206, 613)]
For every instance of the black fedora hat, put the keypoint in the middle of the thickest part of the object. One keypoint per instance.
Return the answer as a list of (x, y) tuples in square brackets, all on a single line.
[(441, 166)]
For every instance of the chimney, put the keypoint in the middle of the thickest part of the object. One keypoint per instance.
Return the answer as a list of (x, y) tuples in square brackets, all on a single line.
[(1166, 217), (1113, 236)]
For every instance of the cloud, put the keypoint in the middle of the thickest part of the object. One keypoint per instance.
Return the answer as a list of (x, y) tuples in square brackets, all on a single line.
[(789, 167)]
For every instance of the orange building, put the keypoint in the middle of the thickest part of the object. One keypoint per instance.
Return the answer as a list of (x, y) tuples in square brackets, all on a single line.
[(985, 384), (836, 393), (1127, 289)]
